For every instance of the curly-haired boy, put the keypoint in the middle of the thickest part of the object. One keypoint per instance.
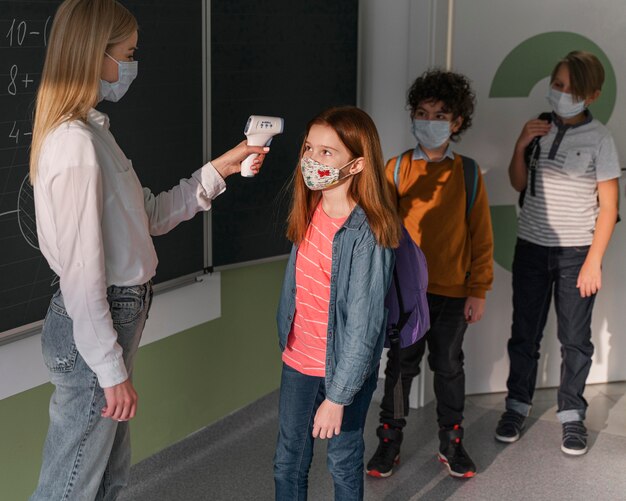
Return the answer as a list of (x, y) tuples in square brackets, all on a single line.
[(447, 213)]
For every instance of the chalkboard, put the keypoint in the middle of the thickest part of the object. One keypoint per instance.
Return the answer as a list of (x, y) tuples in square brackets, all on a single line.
[(158, 124), (287, 58)]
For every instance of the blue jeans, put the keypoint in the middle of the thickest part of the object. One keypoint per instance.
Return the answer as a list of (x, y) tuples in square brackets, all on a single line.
[(539, 271), (300, 397), (85, 456)]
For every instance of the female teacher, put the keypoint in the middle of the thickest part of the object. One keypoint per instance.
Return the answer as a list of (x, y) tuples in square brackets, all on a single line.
[(95, 222)]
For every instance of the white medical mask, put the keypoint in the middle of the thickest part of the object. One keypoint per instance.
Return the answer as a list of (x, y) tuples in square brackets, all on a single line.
[(563, 104), (318, 176), (126, 73), (431, 134)]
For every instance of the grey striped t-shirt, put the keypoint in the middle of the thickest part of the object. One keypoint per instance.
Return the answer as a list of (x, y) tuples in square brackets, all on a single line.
[(573, 160)]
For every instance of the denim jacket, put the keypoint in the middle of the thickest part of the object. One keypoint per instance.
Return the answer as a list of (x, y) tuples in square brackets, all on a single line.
[(361, 273)]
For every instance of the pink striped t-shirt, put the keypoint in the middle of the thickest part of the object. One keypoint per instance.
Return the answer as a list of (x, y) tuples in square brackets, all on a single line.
[(306, 346)]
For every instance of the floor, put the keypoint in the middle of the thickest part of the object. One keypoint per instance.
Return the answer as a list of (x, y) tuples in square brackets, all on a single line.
[(232, 459)]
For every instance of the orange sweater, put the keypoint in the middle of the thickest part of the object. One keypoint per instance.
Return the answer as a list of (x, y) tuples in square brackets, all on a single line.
[(431, 202)]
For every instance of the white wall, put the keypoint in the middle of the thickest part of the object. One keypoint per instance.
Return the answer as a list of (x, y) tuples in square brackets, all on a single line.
[(400, 40)]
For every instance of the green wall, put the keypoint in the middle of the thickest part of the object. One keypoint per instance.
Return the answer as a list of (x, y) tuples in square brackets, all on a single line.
[(185, 381)]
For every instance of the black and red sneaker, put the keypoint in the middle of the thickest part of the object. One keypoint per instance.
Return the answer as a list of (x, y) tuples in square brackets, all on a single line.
[(387, 454), (453, 454)]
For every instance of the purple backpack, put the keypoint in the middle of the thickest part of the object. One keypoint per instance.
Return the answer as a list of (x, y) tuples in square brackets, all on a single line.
[(408, 317)]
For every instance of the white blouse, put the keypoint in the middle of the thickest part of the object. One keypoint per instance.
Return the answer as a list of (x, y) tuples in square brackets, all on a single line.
[(94, 223)]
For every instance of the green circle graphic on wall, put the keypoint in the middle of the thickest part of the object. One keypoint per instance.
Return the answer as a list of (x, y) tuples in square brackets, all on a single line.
[(534, 59), (527, 64)]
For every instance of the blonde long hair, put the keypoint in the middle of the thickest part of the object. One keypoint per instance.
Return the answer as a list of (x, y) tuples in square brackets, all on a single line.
[(82, 31), (368, 189)]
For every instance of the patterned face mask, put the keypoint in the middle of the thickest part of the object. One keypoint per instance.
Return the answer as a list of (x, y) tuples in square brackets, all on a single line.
[(318, 176)]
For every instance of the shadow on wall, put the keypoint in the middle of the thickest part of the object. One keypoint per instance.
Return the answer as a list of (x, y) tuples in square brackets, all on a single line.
[(486, 359)]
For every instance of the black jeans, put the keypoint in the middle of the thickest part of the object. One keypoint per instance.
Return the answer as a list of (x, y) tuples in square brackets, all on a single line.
[(537, 272), (445, 340)]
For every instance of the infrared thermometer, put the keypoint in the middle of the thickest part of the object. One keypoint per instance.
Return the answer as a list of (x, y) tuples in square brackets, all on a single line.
[(259, 130)]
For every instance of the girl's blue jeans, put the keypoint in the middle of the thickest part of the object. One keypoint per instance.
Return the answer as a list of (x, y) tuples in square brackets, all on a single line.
[(86, 456), (300, 397)]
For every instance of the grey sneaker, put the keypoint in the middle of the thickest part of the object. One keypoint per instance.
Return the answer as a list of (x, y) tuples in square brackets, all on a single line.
[(574, 438), (510, 427)]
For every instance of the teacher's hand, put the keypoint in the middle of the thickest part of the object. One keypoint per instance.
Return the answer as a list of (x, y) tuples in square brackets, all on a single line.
[(230, 162), (121, 402)]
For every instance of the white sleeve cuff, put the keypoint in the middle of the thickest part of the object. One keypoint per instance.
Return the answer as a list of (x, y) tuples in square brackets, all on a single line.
[(111, 373), (210, 180)]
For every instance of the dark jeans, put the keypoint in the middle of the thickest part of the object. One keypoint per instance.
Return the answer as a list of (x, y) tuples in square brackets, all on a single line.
[(445, 346), (537, 272), (300, 397)]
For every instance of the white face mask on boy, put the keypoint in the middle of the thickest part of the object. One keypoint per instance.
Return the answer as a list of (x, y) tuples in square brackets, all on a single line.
[(431, 134), (563, 104), (126, 73)]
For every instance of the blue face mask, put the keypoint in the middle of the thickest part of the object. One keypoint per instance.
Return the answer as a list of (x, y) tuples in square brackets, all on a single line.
[(563, 104), (126, 73), (431, 134)]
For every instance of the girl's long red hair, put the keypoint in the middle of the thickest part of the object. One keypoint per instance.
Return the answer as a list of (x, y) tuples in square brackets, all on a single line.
[(368, 189)]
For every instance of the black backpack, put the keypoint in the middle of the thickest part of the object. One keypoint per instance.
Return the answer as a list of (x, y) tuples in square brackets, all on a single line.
[(531, 157)]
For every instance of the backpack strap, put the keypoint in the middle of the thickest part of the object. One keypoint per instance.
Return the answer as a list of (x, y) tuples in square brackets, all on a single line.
[(403, 318), (533, 160), (396, 169), (531, 157), (470, 174)]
